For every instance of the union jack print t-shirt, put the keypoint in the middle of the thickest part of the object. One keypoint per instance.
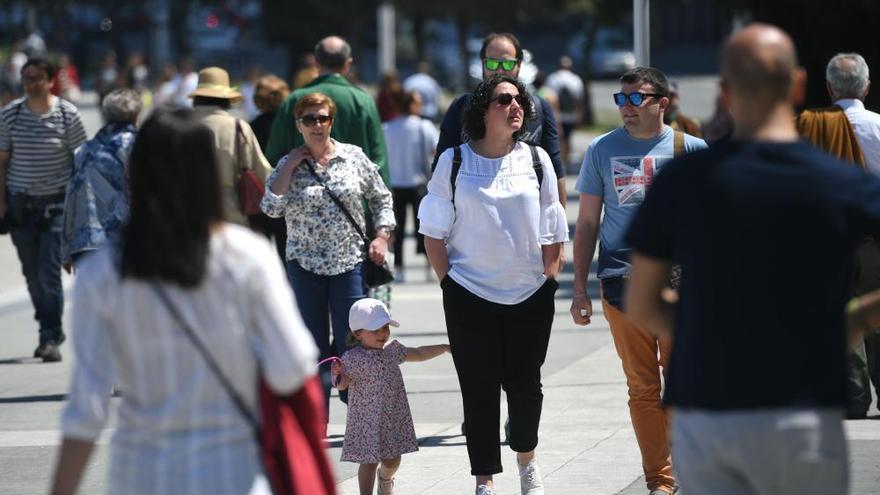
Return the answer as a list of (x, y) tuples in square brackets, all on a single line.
[(620, 169)]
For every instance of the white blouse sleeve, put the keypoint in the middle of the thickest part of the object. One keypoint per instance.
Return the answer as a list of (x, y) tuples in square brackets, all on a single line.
[(286, 350), (88, 403), (554, 224), (436, 211)]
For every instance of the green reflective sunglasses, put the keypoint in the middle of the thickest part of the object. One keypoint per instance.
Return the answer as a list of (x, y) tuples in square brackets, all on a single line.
[(494, 63)]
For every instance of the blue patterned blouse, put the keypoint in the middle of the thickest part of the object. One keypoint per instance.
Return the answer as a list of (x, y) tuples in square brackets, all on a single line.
[(96, 204)]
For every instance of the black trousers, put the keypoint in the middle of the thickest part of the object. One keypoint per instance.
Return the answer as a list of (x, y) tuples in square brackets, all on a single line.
[(497, 346), (403, 198)]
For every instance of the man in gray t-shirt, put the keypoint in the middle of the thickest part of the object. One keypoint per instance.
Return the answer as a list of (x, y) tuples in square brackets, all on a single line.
[(38, 135), (618, 169)]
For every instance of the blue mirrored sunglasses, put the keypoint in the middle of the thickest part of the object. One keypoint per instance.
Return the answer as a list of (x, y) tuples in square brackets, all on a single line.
[(635, 98)]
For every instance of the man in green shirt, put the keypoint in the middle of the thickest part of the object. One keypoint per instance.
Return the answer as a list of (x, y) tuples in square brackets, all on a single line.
[(357, 118)]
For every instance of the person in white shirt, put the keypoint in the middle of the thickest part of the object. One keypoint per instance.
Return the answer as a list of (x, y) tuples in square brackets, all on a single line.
[(411, 141), (177, 266), (846, 78), (493, 227), (428, 89), (569, 89)]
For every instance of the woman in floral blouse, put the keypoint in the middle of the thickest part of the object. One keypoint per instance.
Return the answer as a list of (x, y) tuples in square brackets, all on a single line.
[(324, 251)]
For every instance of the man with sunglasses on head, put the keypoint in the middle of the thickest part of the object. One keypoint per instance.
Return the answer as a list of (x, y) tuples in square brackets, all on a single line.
[(617, 170), (502, 54)]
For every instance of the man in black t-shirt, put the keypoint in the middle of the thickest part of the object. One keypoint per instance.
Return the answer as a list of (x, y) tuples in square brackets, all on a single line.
[(764, 228)]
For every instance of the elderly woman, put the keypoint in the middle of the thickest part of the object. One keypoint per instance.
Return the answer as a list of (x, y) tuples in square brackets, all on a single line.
[(96, 201), (325, 251), (493, 227), (179, 268)]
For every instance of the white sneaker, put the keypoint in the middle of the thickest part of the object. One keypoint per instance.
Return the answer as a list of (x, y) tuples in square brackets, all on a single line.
[(484, 490), (530, 482)]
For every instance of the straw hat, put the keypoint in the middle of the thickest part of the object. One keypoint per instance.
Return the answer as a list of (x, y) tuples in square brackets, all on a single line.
[(214, 83)]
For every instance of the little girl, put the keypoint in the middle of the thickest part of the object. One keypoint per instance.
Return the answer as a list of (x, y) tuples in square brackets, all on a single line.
[(379, 427)]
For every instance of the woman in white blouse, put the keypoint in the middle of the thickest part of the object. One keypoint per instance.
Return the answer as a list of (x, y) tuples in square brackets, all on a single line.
[(178, 430), (493, 233), (325, 252)]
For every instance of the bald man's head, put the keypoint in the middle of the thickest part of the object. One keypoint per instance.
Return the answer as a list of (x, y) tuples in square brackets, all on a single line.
[(760, 62), (333, 53)]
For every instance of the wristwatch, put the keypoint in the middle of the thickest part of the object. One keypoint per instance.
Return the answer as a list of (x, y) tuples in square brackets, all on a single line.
[(383, 230)]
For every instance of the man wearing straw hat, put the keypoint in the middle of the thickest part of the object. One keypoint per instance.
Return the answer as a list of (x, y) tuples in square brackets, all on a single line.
[(236, 147)]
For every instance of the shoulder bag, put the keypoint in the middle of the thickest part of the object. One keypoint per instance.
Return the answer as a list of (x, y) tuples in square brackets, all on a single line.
[(291, 433), (250, 189), (374, 275)]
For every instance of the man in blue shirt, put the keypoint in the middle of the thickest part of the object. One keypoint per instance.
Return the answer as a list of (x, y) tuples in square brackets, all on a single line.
[(764, 228), (618, 169)]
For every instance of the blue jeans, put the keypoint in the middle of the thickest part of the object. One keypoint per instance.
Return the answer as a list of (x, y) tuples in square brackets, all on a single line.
[(36, 234), (323, 299)]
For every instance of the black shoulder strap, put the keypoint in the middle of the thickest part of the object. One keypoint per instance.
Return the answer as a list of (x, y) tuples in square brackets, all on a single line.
[(15, 115), (338, 203), (536, 165), (456, 166)]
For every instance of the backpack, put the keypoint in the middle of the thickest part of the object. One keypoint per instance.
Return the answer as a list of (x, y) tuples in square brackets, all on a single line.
[(568, 103)]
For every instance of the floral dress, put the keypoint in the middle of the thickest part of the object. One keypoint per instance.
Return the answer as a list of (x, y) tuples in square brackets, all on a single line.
[(379, 424)]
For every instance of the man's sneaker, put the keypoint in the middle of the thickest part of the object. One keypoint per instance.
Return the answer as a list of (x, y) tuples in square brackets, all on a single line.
[(386, 486), (41, 349), (484, 490), (51, 354), (530, 482)]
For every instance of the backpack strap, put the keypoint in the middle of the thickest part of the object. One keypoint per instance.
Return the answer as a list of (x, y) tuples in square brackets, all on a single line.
[(678, 144), (536, 165), (456, 166)]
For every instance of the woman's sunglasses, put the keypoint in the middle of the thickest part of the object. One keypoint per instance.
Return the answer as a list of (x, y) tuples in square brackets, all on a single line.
[(494, 63), (635, 98), (311, 120), (505, 99)]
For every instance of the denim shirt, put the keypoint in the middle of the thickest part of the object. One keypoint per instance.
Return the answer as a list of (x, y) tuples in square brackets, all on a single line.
[(96, 203)]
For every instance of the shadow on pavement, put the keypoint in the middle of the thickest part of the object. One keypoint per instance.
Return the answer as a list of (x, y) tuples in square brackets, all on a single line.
[(33, 398)]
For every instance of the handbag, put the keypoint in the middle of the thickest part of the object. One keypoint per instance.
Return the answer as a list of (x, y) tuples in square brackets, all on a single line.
[(374, 275), (291, 439), (250, 189)]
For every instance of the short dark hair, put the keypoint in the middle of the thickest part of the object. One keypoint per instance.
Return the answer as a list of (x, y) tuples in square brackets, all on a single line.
[(207, 101), (332, 57), (40, 63), (647, 75), (175, 199), (474, 116), (493, 36)]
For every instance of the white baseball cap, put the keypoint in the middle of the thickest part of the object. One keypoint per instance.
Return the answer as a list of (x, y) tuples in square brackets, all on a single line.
[(369, 314)]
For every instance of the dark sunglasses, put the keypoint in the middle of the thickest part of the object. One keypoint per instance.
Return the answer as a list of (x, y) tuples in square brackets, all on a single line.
[(635, 98), (311, 120), (505, 99), (494, 63)]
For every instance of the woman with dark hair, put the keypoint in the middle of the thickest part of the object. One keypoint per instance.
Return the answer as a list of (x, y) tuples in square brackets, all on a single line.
[(493, 227), (178, 266)]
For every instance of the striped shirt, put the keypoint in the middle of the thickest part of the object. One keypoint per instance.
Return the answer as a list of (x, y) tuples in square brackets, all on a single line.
[(178, 432), (41, 146)]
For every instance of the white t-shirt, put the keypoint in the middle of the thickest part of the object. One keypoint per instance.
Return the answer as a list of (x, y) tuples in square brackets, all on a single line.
[(410, 141), (866, 125), (495, 229)]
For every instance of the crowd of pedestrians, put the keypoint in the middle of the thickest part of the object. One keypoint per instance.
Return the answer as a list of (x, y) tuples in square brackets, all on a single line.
[(177, 272)]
